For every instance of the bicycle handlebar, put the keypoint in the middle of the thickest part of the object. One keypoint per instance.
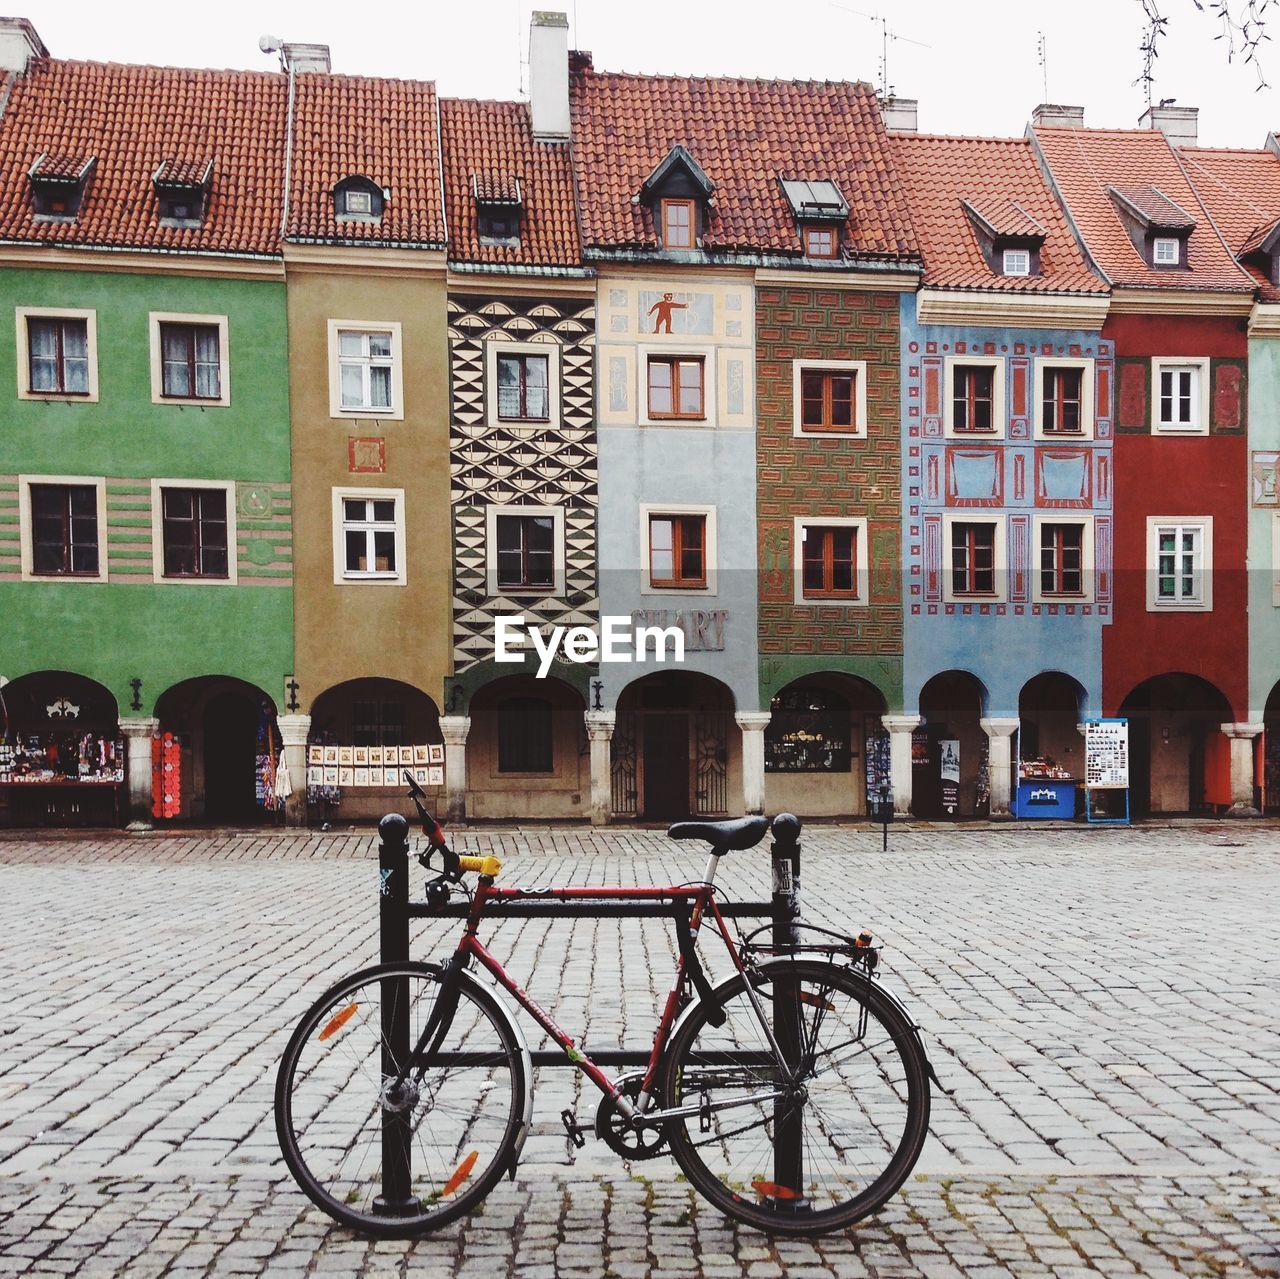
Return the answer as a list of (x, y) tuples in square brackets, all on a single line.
[(454, 864)]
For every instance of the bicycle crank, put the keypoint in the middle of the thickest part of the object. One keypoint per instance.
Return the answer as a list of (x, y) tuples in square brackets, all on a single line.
[(619, 1133)]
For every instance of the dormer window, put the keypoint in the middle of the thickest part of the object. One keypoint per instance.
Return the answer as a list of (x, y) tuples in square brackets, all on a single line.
[(499, 201), (1017, 262), (58, 185), (1262, 250), (820, 211), (182, 190), (358, 199), (1009, 238), (678, 194), (1158, 227)]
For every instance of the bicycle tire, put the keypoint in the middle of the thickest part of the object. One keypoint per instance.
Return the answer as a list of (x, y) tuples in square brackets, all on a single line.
[(307, 1101), (701, 1143)]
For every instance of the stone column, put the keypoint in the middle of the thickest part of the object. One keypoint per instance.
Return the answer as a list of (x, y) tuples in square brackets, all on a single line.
[(900, 728), (294, 731), (1000, 762), (454, 730), (1242, 770), (753, 724), (138, 733), (600, 726)]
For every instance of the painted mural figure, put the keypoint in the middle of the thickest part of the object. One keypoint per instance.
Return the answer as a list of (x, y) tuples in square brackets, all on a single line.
[(664, 309)]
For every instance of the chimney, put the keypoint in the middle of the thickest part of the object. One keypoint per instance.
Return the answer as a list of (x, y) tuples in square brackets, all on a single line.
[(1178, 124), (899, 114), (549, 76), (19, 43), (300, 58), (1053, 115)]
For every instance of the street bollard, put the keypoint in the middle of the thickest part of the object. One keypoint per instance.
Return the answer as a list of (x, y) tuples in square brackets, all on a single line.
[(397, 1199), (788, 1145)]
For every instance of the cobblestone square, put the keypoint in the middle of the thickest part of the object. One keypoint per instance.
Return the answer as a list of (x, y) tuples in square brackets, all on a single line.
[(1099, 1006)]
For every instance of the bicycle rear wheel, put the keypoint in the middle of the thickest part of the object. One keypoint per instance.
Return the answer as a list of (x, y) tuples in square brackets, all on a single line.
[(342, 1124), (812, 1141)]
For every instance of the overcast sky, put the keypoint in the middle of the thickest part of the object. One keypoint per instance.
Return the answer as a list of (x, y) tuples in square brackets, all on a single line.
[(975, 67)]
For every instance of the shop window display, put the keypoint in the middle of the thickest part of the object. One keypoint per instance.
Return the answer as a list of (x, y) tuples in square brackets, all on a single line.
[(808, 733)]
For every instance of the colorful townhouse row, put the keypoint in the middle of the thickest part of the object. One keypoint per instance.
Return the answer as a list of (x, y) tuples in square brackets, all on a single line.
[(925, 444)]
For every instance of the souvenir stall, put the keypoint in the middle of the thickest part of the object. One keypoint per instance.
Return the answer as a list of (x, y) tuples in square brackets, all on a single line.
[(62, 758)]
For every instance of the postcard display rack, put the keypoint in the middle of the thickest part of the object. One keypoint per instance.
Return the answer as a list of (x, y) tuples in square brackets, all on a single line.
[(332, 768), (1046, 791), (1106, 771), (63, 778)]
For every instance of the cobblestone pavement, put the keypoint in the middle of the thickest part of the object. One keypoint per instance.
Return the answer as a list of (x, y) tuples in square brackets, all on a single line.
[(1099, 1004)]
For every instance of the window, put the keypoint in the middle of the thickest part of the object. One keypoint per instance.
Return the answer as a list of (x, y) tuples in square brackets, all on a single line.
[(678, 219), (58, 356), (808, 732), (525, 741), (365, 369), (1179, 563), (1166, 251), (358, 199), (1180, 397), (64, 530), (828, 400), (676, 387), (526, 552), (1062, 559), (1060, 401), (377, 723), (498, 224), (1017, 262), (369, 536), (360, 202), (973, 398), (190, 366), (821, 241), (194, 523), (973, 558), (678, 551), (523, 388), (829, 562)]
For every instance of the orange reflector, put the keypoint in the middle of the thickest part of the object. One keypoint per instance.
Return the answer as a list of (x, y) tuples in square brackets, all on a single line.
[(773, 1190), (806, 998), (337, 1022), (460, 1175)]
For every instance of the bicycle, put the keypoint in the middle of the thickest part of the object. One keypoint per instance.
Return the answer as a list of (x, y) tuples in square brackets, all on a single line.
[(793, 1094)]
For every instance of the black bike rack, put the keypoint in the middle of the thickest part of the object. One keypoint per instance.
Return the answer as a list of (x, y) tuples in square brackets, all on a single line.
[(396, 910)]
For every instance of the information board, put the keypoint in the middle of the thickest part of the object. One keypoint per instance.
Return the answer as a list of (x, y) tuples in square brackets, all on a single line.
[(1106, 754)]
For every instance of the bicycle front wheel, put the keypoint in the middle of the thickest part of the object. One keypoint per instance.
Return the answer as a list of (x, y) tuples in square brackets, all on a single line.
[(808, 1106), (398, 1161)]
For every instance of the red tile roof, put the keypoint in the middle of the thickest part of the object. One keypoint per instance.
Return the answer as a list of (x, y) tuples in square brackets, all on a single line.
[(746, 135), (999, 177), (1152, 204), (131, 118), (488, 147), (382, 129), (1085, 162), (1241, 191), (183, 173)]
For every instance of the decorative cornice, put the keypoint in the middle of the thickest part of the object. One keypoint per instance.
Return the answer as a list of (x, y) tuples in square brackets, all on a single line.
[(1179, 302), (1039, 310), (878, 282), (1264, 320), (141, 262), (332, 259), (538, 285)]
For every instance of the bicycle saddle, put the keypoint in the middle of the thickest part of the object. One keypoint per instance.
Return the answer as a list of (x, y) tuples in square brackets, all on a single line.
[(741, 832)]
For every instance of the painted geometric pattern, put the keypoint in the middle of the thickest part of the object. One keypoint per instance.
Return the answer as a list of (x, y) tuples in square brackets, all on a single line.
[(815, 477), (264, 537), (506, 464)]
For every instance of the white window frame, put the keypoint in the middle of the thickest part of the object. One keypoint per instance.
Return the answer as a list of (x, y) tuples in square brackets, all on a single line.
[(492, 588), (496, 347), (156, 319), (1024, 254), (862, 563), (157, 532), (396, 412), (25, 530), (1087, 574), (1205, 524), (1201, 398), (341, 576), (999, 424), (999, 556), (1165, 240), (677, 508), (857, 367), (90, 317), (681, 348), (1086, 399)]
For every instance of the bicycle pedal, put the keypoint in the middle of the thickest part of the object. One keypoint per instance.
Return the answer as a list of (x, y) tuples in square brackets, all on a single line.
[(572, 1127)]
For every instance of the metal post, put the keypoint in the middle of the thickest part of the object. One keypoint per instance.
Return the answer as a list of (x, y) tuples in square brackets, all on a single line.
[(788, 1119), (886, 816), (397, 1199)]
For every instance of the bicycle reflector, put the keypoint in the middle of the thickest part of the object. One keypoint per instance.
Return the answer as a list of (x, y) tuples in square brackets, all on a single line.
[(336, 1022), (460, 1174), (772, 1190)]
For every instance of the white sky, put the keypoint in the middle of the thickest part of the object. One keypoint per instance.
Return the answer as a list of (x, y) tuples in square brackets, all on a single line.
[(975, 67)]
